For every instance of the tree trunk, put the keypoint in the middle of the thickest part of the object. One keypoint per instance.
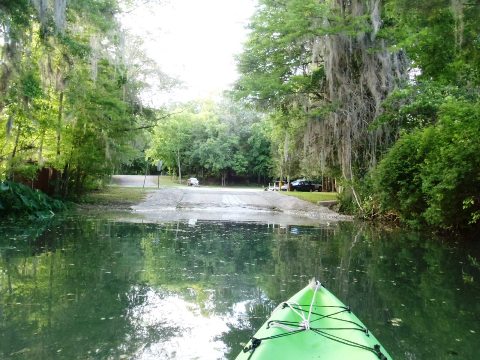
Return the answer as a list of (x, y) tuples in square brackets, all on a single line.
[(40, 149), (7, 63), (17, 139), (224, 178), (59, 123), (14, 152), (62, 183), (286, 146), (179, 167)]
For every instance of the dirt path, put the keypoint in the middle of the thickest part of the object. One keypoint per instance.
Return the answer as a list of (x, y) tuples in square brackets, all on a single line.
[(206, 203)]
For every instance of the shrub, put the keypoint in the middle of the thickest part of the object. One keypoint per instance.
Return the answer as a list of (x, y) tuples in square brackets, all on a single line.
[(431, 176), (17, 198), (451, 172)]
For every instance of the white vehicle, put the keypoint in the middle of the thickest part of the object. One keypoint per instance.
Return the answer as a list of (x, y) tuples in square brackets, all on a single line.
[(193, 182), (275, 186)]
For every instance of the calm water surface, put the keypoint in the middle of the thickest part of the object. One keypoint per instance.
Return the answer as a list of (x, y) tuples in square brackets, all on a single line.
[(98, 288)]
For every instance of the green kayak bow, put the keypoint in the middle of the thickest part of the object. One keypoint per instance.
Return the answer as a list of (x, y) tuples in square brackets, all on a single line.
[(313, 324)]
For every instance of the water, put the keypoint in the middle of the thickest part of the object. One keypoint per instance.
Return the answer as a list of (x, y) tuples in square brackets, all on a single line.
[(99, 288)]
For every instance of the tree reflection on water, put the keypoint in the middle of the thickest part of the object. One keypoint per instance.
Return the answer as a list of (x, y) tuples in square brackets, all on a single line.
[(97, 288)]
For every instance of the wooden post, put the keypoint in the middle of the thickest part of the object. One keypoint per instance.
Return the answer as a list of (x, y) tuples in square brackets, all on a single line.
[(145, 178)]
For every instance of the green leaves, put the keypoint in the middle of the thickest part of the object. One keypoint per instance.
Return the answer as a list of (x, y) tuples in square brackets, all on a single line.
[(69, 95), (439, 36), (17, 198), (431, 176), (275, 58), (30, 85), (214, 140)]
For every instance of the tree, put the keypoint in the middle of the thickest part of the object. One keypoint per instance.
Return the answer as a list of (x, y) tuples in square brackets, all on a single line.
[(325, 60), (259, 154), (171, 141), (212, 139), (74, 81), (431, 175)]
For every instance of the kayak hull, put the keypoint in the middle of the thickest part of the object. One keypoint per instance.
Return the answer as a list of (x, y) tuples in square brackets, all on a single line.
[(313, 324)]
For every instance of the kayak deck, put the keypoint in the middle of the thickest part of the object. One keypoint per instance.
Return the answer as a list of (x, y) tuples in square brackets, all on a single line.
[(313, 324)]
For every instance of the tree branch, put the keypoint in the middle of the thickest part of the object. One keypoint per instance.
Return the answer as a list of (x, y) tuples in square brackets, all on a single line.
[(151, 125)]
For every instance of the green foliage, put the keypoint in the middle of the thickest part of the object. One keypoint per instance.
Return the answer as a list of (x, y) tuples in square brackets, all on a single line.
[(416, 106), (259, 150), (218, 140), (284, 70), (432, 175), (16, 198), (69, 96), (30, 85), (398, 176), (451, 174), (275, 58), (441, 37), (16, 12)]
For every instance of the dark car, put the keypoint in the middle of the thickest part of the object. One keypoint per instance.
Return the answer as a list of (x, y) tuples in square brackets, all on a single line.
[(302, 185)]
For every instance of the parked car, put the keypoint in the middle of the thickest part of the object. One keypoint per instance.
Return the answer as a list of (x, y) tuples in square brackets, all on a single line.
[(193, 182), (302, 185), (275, 186), (317, 184)]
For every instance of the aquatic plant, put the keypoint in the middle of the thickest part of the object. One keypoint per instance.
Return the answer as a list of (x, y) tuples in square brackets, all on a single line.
[(16, 198)]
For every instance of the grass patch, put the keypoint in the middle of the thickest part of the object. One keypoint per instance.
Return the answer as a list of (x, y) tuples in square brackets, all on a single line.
[(114, 196), (313, 197), (168, 181)]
